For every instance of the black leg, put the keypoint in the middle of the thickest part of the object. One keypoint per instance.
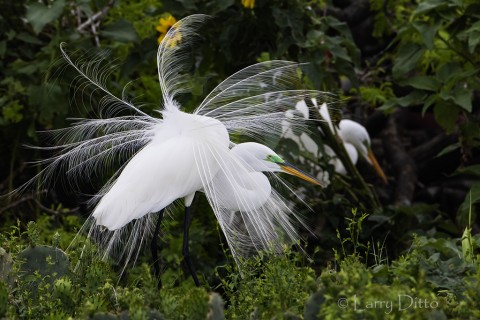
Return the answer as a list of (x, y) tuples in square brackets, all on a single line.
[(185, 251), (154, 249)]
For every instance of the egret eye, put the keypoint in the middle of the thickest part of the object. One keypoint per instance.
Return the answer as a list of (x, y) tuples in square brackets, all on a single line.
[(270, 158), (274, 159)]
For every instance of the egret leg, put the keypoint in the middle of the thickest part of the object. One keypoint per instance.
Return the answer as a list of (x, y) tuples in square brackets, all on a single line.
[(185, 250), (154, 249)]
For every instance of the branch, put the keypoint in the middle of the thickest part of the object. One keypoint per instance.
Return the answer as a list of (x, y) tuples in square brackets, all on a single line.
[(431, 148), (33, 197), (96, 17), (16, 203), (54, 212), (402, 163)]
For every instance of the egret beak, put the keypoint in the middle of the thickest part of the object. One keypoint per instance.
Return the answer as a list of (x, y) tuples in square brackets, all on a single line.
[(376, 166), (290, 169)]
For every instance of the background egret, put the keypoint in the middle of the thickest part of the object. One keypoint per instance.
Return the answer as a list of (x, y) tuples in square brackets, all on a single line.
[(352, 135), (174, 156)]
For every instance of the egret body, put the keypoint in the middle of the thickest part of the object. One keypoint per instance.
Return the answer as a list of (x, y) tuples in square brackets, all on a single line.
[(164, 170)]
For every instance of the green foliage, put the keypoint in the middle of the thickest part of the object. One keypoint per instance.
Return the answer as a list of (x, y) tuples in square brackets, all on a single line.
[(436, 59), (269, 286), (432, 279), (429, 62), (354, 229), (3, 299), (39, 14)]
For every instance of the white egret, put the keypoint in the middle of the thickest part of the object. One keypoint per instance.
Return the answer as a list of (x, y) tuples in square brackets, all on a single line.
[(353, 136), (356, 135), (175, 156), (301, 138)]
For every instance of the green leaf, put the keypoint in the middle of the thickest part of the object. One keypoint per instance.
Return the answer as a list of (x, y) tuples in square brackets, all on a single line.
[(333, 44), (463, 98), (446, 71), (463, 211), (121, 30), (448, 149), (427, 31), (473, 169), (341, 27), (429, 5), (25, 37), (422, 82), (473, 36), (39, 15), (460, 96), (446, 115), (467, 244), (407, 59), (473, 41), (431, 100), (413, 98), (12, 112)]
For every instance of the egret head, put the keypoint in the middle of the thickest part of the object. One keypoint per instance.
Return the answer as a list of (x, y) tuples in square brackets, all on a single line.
[(260, 158), (356, 134)]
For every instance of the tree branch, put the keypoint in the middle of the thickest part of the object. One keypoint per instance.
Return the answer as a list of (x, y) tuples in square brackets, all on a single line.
[(402, 163), (96, 17)]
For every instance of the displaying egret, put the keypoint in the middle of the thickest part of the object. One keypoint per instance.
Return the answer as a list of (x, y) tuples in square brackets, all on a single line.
[(175, 156)]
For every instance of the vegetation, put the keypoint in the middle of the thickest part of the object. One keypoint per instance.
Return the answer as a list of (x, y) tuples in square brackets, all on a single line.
[(407, 70)]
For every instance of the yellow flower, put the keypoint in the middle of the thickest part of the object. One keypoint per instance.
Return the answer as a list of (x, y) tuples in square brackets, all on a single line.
[(249, 4), (164, 25)]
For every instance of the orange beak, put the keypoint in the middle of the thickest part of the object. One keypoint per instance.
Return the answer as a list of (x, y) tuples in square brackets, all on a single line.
[(290, 169), (376, 166)]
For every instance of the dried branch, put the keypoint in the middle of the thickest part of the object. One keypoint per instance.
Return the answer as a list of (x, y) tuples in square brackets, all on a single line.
[(96, 17)]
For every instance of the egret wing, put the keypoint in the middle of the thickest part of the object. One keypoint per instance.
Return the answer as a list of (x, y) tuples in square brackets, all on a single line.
[(155, 177)]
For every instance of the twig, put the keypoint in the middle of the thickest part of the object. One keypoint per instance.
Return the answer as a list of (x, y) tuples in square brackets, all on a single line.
[(97, 16), (95, 34), (16, 203), (55, 212)]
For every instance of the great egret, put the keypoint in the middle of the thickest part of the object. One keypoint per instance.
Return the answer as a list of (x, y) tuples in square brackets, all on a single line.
[(175, 156), (353, 133), (353, 136)]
